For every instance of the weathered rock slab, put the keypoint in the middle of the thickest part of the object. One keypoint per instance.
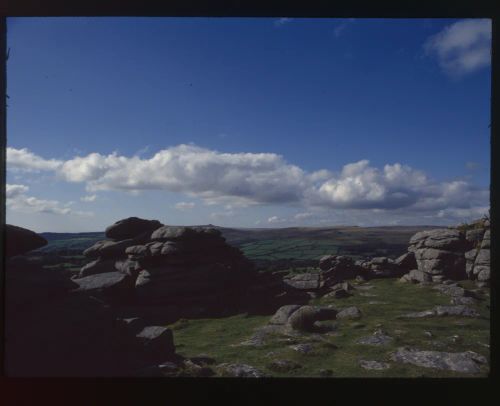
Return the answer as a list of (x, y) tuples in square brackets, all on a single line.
[(466, 362)]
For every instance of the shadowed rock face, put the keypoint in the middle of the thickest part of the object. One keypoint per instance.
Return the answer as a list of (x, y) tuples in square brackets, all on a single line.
[(21, 240), (131, 227)]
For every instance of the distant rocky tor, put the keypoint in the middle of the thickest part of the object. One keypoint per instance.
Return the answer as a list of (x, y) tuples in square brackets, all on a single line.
[(438, 255)]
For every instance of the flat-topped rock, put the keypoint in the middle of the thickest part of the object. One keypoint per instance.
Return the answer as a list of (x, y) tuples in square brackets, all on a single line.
[(443, 238), (109, 283), (108, 249), (97, 266), (378, 338), (305, 281), (166, 233), (130, 228), (466, 362)]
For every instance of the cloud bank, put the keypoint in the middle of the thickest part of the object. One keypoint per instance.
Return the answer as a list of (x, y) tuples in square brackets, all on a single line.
[(242, 179), (462, 47), (18, 200)]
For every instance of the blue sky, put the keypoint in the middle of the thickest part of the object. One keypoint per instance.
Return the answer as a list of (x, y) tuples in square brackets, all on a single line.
[(247, 122)]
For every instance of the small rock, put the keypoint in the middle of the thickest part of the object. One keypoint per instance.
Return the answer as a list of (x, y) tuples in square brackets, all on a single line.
[(378, 338), (428, 334), (283, 365), (283, 313), (239, 371), (303, 348), (351, 312), (465, 300), (337, 294), (467, 362), (325, 372), (373, 365)]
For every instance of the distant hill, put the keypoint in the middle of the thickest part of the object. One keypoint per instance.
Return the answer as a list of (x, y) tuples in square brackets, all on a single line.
[(265, 244)]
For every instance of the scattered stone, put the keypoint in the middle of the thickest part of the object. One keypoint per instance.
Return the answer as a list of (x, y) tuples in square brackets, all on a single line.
[(303, 318), (306, 281), (325, 372), (283, 313), (376, 365), (338, 294), (452, 290), (239, 371), (303, 348), (425, 313), (466, 362), (258, 339), (351, 312), (158, 341), (457, 310), (193, 369), (465, 300), (378, 338), (284, 365)]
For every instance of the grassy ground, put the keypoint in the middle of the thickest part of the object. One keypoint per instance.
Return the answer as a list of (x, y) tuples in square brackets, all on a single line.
[(219, 338)]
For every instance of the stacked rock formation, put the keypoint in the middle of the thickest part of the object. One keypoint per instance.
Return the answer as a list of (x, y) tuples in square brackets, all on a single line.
[(155, 264), (440, 253), (451, 253)]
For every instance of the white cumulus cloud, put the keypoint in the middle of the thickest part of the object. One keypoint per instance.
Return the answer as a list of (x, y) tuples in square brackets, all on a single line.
[(183, 206), (239, 180), (89, 198), (18, 200), (276, 219), (24, 160), (462, 47)]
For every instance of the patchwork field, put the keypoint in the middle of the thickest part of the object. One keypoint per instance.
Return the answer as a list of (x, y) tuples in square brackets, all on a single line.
[(274, 248)]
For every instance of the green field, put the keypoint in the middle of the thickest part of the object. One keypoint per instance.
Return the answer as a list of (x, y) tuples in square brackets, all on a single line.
[(289, 249)]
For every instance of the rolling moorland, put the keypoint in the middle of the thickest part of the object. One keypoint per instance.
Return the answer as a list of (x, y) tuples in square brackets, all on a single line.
[(363, 323), (269, 249)]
